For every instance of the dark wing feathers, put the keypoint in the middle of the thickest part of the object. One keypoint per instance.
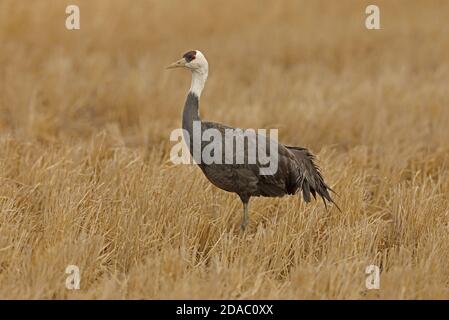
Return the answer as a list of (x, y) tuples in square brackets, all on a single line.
[(310, 180), (297, 171)]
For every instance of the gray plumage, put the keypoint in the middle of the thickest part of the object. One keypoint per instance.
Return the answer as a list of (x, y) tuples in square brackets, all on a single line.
[(297, 170)]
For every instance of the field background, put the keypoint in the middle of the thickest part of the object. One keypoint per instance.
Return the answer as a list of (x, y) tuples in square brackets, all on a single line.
[(85, 176)]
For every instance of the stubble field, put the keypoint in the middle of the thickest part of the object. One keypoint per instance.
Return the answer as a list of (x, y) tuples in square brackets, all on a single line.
[(85, 175)]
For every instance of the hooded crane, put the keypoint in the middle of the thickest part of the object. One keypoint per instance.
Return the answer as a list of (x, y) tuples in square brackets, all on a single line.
[(296, 168)]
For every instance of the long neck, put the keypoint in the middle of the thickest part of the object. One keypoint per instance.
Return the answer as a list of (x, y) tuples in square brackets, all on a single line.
[(191, 106)]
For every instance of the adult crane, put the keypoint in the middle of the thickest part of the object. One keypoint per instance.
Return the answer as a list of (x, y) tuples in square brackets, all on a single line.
[(296, 167)]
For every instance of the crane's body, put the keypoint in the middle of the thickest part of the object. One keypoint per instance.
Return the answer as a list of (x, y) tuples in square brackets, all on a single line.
[(296, 170)]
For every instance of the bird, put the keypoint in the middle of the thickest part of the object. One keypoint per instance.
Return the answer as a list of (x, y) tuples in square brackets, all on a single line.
[(297, 171)]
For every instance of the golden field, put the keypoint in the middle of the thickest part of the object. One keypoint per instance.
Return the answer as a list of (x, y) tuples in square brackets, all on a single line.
[(86, 180)]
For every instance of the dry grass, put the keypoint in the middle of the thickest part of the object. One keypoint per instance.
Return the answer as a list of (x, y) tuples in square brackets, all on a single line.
[(84, 161)]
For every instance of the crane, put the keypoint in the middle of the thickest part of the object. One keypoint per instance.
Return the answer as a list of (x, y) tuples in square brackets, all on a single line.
[(296, 169)]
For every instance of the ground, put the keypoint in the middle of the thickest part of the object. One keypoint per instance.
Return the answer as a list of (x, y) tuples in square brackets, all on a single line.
[(86, 178)]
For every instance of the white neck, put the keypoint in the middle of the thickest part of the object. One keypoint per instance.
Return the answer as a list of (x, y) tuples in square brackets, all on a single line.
[(199, 78)]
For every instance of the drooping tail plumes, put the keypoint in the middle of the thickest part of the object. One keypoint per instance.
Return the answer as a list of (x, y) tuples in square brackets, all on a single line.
[(310, 180)]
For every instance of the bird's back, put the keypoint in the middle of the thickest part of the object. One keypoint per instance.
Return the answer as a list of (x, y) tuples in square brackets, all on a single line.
[(296, 167), (240, 173)]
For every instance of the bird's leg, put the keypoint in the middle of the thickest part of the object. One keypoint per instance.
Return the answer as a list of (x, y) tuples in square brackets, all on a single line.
[(245, 216)]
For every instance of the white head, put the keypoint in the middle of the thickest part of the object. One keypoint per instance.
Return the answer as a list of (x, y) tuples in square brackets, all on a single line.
[(193, 60), (196, 62)]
